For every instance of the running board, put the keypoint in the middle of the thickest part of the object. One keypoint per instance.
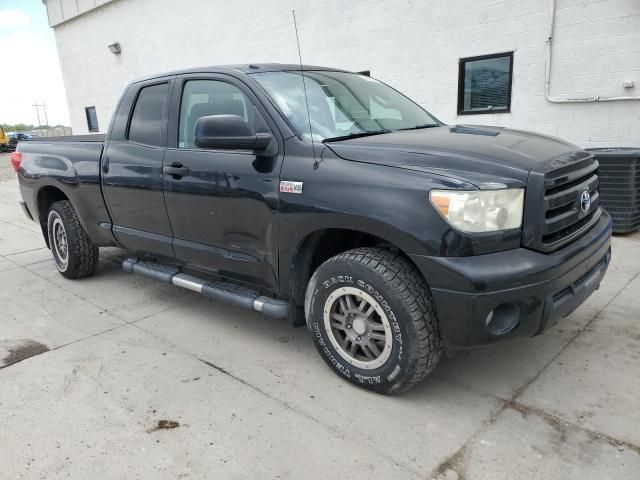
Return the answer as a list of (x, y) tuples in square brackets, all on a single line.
[(237, 295)]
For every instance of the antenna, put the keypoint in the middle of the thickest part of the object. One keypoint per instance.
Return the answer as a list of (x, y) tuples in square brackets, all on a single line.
[(304, 86)]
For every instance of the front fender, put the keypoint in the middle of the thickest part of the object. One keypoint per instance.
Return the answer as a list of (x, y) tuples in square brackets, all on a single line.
[(386, 202), (389, 202)]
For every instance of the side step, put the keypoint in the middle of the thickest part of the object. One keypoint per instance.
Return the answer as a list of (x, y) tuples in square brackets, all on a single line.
[(237, 295)]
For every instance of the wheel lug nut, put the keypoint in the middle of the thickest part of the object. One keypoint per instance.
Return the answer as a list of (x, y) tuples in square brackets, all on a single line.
[(358, 338), (348, 325)]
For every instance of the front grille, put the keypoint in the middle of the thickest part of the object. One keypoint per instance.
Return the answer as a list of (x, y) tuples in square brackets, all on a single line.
[(564, 218)]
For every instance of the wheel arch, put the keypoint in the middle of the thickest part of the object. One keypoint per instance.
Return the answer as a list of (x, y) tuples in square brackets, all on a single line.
[(46, 197), (320, 245)]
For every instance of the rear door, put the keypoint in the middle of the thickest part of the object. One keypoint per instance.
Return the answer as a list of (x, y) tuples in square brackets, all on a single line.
[(223, 208), (132, 176)]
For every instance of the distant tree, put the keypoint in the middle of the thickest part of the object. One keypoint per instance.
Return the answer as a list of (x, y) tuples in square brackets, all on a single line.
[(18, 127), (25, 127)]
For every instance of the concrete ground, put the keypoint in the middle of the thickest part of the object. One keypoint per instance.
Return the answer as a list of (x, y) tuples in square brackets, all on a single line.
[(128, 378)]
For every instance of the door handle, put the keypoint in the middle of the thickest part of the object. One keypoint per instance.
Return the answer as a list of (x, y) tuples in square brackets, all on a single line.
[(105, 164), (176, 170)]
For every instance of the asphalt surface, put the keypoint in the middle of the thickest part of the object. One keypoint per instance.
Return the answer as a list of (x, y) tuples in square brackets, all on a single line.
[(117, 376)]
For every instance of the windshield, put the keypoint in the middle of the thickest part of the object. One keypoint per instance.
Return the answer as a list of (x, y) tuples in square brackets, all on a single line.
[(341, 104)]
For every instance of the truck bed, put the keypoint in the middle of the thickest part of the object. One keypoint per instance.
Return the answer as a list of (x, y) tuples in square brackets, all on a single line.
[(66, 167)]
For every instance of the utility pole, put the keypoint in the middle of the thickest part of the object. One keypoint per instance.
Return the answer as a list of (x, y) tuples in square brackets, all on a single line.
[(44, 110), (35, 105)]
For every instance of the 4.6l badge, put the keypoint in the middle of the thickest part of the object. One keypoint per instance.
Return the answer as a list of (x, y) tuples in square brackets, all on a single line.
[(290, 187)]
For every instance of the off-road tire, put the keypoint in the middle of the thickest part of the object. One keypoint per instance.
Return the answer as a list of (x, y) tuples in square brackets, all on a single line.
[(82, 254), (402, 294)]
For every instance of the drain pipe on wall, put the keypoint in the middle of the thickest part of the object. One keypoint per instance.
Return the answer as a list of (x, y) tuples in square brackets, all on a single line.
[(547, 80)]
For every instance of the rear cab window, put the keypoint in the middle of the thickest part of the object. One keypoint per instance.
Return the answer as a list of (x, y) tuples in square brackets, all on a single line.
[(148, 113)]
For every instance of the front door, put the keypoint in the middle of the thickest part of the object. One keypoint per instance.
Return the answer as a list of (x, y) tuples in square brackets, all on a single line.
[(222, 204)]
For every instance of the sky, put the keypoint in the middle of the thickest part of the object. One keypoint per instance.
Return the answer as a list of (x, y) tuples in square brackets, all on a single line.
[(30, 70)]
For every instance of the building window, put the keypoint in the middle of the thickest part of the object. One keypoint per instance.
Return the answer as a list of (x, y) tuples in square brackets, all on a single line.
[(484, 84), (92, 119)]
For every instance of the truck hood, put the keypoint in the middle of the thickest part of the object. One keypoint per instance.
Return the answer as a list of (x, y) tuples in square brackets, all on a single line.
[(482, 156)]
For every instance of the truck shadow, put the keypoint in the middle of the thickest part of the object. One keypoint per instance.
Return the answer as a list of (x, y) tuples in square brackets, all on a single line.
[(496, 371)]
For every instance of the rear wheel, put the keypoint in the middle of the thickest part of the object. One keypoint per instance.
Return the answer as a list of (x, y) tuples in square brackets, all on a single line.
[(372, 319), (74, 253)]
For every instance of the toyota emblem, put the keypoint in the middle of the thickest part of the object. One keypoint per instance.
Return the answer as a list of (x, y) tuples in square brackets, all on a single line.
[(585, 201)]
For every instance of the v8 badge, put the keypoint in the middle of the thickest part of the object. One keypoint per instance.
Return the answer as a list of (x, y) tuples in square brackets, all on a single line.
[(290, 187)]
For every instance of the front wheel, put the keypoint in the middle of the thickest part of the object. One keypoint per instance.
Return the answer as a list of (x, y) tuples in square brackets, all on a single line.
[(372, 319), (74, 253)]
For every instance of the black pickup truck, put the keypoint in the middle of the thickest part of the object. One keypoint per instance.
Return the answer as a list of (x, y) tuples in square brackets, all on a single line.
[(328, 198)]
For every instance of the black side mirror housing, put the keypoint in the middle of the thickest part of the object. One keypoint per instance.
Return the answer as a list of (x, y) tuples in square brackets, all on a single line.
[(229, 132)]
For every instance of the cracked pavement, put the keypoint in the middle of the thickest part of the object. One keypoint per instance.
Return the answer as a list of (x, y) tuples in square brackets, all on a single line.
[(118, 376)]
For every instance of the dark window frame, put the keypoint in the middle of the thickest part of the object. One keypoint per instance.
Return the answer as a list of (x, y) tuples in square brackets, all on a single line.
[(220, 78), (258, 98), (163, 121), (86, 113), (461, 64)]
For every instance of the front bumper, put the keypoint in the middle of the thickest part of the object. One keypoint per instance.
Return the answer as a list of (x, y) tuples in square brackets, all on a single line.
[(487, 298)]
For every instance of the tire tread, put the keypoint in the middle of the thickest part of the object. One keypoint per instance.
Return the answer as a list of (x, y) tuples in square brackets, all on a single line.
[(83, 253), (411, 286)]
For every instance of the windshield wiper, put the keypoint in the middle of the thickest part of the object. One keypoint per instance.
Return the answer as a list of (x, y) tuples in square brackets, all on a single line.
[(418, 127), (355, 135)]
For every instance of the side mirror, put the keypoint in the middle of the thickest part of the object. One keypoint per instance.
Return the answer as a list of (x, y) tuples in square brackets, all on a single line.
[(228, 132)]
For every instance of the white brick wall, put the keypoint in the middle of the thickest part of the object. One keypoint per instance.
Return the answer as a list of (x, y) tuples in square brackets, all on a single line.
[(414, 45), (62, 10)]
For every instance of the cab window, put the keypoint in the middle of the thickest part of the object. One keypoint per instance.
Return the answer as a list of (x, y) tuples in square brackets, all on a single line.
[(201, 98), (146, 121)]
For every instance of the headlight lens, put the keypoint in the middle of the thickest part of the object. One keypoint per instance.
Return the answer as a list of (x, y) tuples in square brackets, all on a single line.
[(480, 210)]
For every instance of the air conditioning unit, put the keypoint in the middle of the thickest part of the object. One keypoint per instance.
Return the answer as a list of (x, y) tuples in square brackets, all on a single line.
[(619, 173)]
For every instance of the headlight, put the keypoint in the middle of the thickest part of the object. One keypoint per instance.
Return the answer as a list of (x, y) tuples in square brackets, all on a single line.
[(480, 210)]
